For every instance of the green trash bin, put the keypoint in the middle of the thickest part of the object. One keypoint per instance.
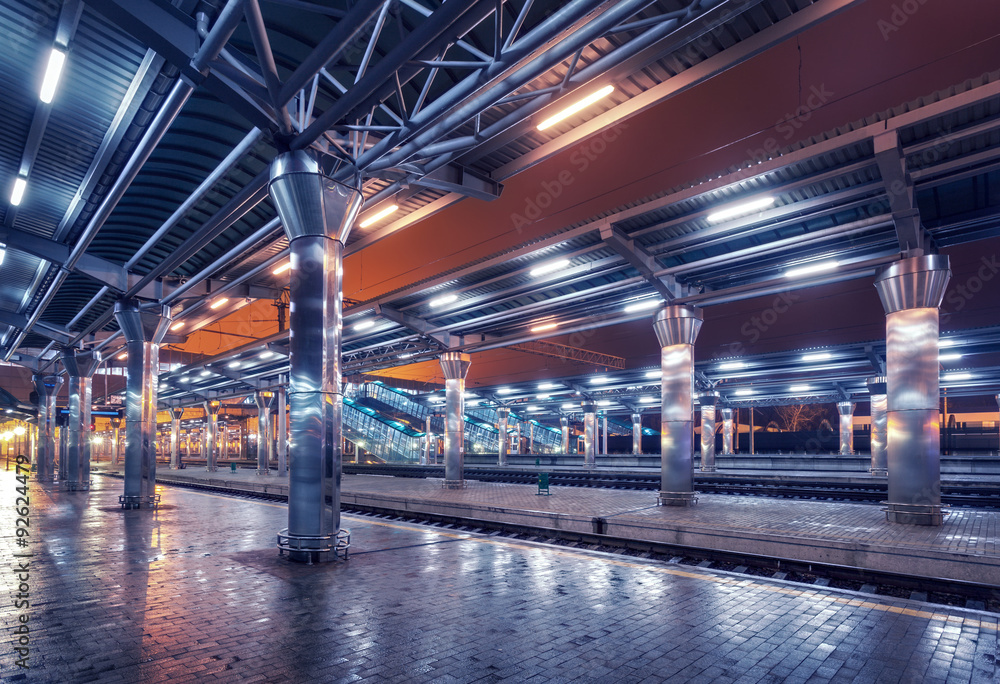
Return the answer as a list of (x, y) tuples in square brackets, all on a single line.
[(543, 484), (233, 466)]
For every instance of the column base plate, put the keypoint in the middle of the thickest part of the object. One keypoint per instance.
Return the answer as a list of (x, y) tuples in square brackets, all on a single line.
[(930, 515), (314, 549), (676, 499), (454, 484)]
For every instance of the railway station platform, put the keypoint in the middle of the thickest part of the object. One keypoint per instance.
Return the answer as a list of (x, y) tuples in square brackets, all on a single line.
[(195, 592), (965, 548)]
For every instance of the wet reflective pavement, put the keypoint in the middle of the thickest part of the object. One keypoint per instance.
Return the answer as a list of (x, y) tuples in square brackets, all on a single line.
[(196, 592)]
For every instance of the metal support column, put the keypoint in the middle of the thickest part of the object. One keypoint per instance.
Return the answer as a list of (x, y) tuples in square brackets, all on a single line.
[(636, 434), (175, 437), (880, 425), (317, 214), (708, 402), (455, 366), (116, 441), (846, 411), (143, 331), (677, 328), (911, 291), (517, 437), (727, 431), (80, 368), (564, 425), (263, 400), (47, 387), (60, 424), (211, 436), (282, 441), (430, 453), (604, 434), (504, 440), (589, 435)]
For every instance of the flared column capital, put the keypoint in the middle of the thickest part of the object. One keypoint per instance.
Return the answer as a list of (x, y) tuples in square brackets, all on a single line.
[(678, 324), (914, 283)]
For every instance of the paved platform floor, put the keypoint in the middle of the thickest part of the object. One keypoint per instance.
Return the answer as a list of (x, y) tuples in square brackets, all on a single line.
[(966, 547), (195, 592)]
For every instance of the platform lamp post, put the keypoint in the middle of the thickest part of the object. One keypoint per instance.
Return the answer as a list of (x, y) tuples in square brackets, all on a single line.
[(880, 425), (677, 328), (911, 291)]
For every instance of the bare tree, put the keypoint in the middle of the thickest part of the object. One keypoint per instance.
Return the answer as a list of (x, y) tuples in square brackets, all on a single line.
[(798, 416)]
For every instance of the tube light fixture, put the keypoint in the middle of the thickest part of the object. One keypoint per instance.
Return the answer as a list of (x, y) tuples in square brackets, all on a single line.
[(951, 356), (743, 392), (234, 365), (550, 267), (364, 325), (266, 354), (544, 327), (821, 267), (281, 269), (122, 356), (205, 373), (644, 305), (57, 58), (568, 407), (443, 299), (177, 326), (741, 209), (379, 216), (600, 380), (3, 252), (218, 302), (576, 107), (604, 402), (506, 390), (732, 365), (799, 388), (654, 374), (647, 400), (955, 377), (184, 379), (547, 386), (543, 397), (17, 194), (946, 343), (534, 408), (818, 356)]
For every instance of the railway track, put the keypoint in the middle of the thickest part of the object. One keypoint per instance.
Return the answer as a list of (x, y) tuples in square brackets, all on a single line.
[(972, 495)]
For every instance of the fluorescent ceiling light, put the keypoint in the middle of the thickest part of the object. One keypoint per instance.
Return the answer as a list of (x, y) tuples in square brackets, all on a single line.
[(654, 374), (443, 299), (534, 408), (819, 356), (364, 325), (568, 407), (543, 397), (952, 356), (946, 343), (954, 377), (506, 390), (600, 380), (408, 355), (576, 107), (185, 379), (379, 216), (122, 356), (800, 388), (56, 60), (740, 209), (647, 400), (644, 305), (547, 386), (732, 365), (205, 373), (743, 392), (3, 252), (234, 364), (470, 395), (550, 267), (177, 326), (544, 327), (218, 302), (267, 354), (821, 267), (604, 402), (17, 194), (281, 269)]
